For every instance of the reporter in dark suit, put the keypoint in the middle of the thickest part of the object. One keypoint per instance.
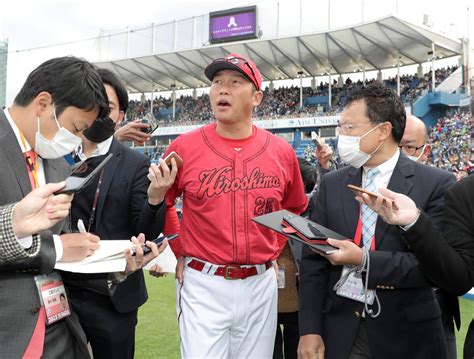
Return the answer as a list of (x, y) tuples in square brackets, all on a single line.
[(121, 203), (447, 258), (57, 101), (408, 324), (414, 144)]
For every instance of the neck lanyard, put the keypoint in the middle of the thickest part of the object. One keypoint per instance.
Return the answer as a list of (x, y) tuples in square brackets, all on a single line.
[(95, 201), (358, 235), (32, 163)]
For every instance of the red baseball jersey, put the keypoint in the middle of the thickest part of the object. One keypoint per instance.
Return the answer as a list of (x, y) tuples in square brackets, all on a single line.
[(224, 187)]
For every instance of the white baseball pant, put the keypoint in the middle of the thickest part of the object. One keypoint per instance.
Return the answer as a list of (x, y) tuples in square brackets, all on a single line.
[(221, 318)]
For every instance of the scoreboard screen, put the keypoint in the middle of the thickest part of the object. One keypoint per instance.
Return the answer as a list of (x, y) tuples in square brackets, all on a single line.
[(233, 24)]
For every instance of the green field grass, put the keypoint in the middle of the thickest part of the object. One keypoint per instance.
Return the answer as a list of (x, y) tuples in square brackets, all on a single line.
[(157, 331)]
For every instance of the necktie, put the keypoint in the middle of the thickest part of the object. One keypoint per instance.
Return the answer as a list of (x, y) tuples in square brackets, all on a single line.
[(36, 344), (369, 217), (31, 167)]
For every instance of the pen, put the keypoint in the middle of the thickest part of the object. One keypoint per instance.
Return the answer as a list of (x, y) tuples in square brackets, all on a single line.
[(80, 226)]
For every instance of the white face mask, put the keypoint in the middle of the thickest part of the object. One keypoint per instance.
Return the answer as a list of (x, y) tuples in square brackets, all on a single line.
[(349, 149), (416, 159), (63, 142)]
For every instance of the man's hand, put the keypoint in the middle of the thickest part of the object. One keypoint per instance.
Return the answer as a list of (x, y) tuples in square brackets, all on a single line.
[(180, 270), (77, 246), (139, 260), (40, 210), (157, 271), (132, 132), (405, 214), (349, 253), (309, 345), (161, 179), (324, 155)]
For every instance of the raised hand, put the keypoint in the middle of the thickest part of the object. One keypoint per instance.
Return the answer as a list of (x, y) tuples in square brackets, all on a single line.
[(405, 214), (40, 210)]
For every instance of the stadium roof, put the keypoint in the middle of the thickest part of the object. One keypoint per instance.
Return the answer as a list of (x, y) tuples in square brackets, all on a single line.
[(374, 45)]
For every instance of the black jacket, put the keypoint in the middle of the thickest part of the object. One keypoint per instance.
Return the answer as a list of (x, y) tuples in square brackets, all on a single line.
[(409, 325)]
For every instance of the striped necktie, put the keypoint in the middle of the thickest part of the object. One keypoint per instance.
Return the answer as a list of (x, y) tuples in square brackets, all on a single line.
[(369, 217)]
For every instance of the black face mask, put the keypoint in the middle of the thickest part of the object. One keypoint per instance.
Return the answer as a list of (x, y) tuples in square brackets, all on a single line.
[(101, 129)]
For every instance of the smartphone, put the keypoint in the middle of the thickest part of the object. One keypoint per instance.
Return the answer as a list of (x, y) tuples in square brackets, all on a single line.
[(82, 174), (158, 241), (316, 140), (358, 191), (151, 121), (172, 154), (304, 229)]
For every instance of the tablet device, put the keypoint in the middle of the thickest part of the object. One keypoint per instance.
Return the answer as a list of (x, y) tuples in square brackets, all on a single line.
[(82, 174), (274, 220)]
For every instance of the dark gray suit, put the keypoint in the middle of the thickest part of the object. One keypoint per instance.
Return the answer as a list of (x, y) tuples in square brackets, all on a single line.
[(19, 299), (409, 325)]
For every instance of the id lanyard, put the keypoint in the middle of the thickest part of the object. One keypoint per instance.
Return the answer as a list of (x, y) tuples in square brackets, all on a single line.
[(95, 201), (358, 235), (32, 163)]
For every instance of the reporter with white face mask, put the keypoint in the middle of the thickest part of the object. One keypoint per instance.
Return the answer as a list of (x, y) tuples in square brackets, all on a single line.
[(397, 315), (59, 99)]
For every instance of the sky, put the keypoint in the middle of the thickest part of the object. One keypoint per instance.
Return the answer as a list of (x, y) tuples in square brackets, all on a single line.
[(32, 26)]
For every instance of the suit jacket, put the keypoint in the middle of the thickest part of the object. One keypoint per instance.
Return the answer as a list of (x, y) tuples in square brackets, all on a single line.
[(448, 258), (409, 325), (10, 249), (122, 212), (19, 299)]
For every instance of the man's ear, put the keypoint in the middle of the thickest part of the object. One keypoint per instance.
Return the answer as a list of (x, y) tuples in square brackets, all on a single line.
[(120, 119), (427, 149), (41, 102), (426, 152), (386, 130), (257, 98)]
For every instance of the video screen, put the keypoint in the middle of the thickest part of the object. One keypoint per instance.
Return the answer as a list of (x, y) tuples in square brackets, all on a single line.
[(233, 25)]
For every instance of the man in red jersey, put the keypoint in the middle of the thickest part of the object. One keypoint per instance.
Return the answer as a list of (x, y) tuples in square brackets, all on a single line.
[(232, 172)]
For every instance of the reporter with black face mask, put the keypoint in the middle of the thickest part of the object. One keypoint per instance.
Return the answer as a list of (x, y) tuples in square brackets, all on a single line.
[(125, 199)]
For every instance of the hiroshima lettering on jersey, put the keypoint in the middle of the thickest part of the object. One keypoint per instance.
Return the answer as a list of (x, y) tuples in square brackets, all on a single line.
[(216, 181)]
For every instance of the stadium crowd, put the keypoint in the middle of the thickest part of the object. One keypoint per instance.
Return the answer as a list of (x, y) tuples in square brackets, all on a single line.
[(451, 144), (451, 141), (282, 102)]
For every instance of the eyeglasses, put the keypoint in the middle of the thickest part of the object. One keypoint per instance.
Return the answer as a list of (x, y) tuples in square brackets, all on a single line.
[(348, 127), (411, 150), (239, 60)]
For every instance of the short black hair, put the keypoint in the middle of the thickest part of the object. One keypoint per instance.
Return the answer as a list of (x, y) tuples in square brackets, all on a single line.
[(70, 81), (109, 78), (383, 105)]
